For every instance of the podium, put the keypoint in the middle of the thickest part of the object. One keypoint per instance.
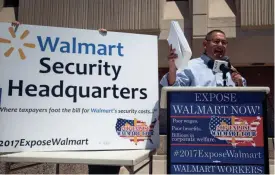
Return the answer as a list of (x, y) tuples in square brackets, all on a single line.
[(216, 130)]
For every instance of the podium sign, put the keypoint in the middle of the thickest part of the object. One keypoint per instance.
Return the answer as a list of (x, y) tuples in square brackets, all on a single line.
[(217, 131)]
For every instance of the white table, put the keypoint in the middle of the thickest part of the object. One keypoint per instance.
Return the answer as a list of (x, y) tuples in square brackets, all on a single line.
[(127, 158)]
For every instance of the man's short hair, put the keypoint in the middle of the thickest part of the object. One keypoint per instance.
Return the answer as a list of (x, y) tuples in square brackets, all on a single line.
[(209, 34)]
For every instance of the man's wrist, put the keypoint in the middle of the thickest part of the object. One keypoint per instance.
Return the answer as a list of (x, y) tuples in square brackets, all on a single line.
[(169, 74)]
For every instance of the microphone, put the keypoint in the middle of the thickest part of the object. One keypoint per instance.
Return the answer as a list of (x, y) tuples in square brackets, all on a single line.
[(228, 67), (223, 65), (220, 66), (225, 68)]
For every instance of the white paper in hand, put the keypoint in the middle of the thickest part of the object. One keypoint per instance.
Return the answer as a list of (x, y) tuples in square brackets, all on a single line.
[(178, 41)]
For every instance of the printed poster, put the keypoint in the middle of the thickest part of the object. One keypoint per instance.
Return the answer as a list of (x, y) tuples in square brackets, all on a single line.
[(216, 133), (76, 89)]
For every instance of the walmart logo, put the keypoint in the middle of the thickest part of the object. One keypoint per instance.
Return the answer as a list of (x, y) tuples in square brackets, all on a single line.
[(20, 50), (56, 44)]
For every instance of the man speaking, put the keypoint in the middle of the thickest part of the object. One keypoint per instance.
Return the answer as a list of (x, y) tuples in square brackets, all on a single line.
[(200, 71)]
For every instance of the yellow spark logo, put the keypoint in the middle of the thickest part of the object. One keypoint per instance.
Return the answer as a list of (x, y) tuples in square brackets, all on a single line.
[(20, 50)]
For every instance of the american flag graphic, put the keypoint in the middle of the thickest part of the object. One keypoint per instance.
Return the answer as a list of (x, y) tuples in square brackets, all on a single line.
[(232, 129), (135, 130)]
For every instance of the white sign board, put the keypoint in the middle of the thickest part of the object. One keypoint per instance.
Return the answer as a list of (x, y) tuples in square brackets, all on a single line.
[(74, 89)]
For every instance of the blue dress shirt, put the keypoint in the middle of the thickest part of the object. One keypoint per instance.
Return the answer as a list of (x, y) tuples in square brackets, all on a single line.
[(197, 73)]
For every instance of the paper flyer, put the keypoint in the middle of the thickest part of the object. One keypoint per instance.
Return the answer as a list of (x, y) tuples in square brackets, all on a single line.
[(177, 39)]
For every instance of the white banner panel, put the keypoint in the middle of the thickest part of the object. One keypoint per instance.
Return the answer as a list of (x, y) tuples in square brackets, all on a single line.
[(74, 89)]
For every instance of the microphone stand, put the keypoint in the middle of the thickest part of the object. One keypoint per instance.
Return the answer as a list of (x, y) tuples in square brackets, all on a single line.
[(224, 77), (224, 72)]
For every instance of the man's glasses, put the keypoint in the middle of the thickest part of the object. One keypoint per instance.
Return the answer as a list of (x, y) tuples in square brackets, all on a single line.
[(217, 41)]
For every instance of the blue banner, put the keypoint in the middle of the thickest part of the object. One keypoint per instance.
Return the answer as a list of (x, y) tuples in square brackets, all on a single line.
[(217, 128), (216, 169), (212, 154), (217, 97), (195, 109)]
